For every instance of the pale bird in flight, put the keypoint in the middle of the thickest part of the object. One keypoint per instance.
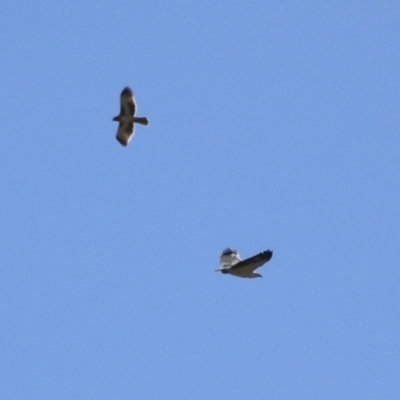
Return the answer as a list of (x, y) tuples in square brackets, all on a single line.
[(127, 118), (231, 263)]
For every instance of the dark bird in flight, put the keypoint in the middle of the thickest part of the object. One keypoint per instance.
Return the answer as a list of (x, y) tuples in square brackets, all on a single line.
[(231, 263), (127, 118)]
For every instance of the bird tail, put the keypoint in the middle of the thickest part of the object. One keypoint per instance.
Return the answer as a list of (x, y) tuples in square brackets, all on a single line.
[(142, 120)]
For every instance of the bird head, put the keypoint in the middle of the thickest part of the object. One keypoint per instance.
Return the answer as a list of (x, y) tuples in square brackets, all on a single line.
[(256, 275), (116, 118)]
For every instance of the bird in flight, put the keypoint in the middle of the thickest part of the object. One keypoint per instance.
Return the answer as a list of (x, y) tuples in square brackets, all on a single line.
[(127, 118), (231, 263)]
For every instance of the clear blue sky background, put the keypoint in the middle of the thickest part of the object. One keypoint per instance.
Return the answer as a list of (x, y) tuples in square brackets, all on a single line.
[(273, 125)]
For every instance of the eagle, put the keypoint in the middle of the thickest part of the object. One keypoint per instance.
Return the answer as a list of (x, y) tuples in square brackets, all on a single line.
[(231, 263), (127, 118)]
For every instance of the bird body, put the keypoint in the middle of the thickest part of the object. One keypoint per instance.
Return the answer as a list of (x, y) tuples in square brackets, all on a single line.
[(127, 118), (231, 263)]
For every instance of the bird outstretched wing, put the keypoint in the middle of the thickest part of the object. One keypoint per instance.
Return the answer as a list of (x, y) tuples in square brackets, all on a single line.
[(128, 103), (125, 132), (229, 258), (254, 262)]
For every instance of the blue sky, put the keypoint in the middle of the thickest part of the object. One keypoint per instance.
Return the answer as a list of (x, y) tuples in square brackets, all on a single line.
[(273, 125)]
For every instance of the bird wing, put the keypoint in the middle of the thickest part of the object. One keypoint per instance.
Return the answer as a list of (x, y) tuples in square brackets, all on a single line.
[(125, 133), (229, 258), (128, 104), (254, 262)]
